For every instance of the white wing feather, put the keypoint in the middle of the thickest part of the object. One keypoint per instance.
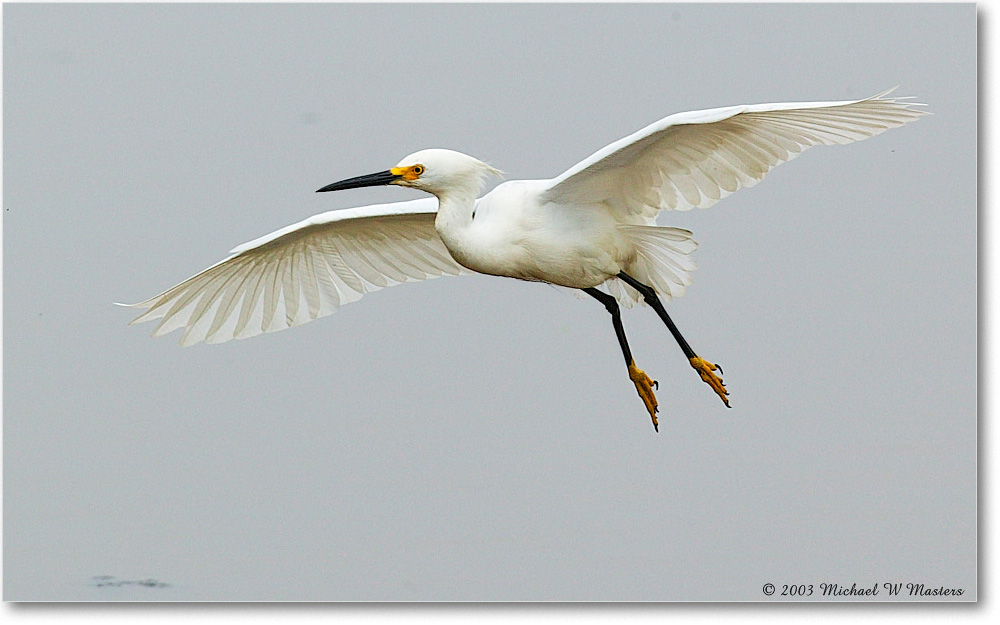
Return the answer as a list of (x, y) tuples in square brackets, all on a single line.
[(303, 272), (695, 159)]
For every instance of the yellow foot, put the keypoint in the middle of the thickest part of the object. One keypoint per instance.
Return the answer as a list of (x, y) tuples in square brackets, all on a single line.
[(644, 386), (705, 369)]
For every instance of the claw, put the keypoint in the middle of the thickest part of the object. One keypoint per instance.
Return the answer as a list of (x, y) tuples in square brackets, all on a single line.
[(705, 369), (644, 386)]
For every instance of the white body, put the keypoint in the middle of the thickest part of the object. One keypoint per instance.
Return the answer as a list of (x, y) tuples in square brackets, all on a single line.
[(515, 233), (577, 230)]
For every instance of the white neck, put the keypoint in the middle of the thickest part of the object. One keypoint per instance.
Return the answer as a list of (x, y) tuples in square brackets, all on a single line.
[(454, 222)]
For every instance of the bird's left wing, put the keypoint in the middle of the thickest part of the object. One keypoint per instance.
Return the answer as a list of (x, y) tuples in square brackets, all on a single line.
[(695, 159), (303, 272)]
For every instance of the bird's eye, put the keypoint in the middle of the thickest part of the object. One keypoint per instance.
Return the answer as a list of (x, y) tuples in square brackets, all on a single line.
[(417, 169)]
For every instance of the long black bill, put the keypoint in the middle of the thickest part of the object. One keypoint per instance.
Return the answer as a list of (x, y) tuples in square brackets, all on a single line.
[(371, 180)]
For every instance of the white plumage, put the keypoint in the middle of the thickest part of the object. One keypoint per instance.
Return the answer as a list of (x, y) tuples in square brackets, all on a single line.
[(580, 229), (304, 271)]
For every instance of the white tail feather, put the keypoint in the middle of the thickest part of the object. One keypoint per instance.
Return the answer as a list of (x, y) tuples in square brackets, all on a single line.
[(663, 261)]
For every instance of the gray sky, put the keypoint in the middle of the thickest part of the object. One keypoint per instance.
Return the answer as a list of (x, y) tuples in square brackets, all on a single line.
[(477, 438)]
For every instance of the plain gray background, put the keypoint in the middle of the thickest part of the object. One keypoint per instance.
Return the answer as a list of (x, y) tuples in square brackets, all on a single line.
[(477, 438)]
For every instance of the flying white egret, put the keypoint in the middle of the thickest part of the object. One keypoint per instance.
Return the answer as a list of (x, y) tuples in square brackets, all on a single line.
[(593, 225)]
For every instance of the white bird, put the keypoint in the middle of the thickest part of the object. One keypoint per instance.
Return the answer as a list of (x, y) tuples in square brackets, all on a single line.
[(593, 225)]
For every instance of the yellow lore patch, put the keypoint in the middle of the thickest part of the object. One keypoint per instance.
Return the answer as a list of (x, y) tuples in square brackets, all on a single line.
[(408, 173)]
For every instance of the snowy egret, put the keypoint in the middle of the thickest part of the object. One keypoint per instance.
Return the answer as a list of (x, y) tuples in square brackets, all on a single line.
[(593, 225)]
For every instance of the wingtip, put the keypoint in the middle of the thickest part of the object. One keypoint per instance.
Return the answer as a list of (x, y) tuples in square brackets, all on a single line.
[(884, 96)]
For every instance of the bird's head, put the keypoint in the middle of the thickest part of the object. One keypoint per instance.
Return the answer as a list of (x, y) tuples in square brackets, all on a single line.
[(435, 171)]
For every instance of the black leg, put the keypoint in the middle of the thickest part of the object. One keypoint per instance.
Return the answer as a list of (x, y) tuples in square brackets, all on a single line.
[(703, 367), (643, 384), (616, 318)]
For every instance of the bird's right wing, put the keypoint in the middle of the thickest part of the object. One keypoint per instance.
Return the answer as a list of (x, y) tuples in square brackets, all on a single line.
[(303, 272), (694, 159)]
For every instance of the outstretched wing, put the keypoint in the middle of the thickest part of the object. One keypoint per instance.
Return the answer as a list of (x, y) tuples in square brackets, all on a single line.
[(303, 272), (695, 159)]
